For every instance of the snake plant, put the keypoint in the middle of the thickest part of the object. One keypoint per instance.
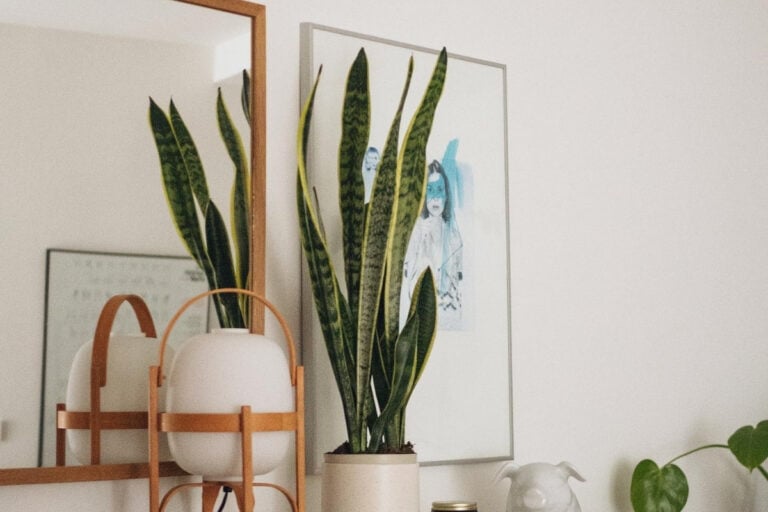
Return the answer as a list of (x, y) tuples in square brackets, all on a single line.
[(186, 191), (375, 361)]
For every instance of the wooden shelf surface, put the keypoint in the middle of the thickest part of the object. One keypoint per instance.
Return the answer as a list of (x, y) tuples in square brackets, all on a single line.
[(95, 473)]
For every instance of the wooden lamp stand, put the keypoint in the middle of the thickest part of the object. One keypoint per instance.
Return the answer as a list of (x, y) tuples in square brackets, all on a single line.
[(245, 423), (97, 420)]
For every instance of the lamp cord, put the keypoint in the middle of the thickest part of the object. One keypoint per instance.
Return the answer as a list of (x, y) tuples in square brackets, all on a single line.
[(227, 490)]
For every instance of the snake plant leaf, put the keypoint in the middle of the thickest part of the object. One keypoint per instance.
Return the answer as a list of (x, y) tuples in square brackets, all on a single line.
[(329, 302), (381, 365), (750, 444), (330, 306), (412, 349), (355, 129), (220, 255), (382, 358), (382, 205), (655, 489), (227, 314), (403, 378), (376, 244), (424, 306), (192, 162), (240, 199), (245, 97), (412, 161), (178, 190)]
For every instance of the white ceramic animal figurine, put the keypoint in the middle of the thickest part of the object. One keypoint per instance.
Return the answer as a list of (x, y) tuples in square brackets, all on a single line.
[(540, 487)]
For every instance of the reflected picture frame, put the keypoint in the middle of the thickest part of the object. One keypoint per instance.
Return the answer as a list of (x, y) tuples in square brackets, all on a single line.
[(78, 284)]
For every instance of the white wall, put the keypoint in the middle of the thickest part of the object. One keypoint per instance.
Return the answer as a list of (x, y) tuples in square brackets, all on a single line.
[(639, 199), (639, 196)]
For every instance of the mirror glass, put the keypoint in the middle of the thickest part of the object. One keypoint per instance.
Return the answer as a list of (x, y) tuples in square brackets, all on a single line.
[(79, 167)]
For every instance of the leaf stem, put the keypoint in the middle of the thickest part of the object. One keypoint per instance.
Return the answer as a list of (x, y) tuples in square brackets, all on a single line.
[(699, 449), (762, 470)]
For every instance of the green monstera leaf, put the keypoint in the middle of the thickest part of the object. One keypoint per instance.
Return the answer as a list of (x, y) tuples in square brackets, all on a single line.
[(657, 489), (750, 445), (665, 489)]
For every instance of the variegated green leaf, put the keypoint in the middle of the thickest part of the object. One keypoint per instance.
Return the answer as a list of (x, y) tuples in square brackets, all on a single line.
[(176, 185), (191, 158), (403, 377), (355, 128), (245, 96), (330, 306), (241, 206), (424, 306), (376, 246), (412, 162), (245, 277), (220, 255), (329, 303), (381, 362)]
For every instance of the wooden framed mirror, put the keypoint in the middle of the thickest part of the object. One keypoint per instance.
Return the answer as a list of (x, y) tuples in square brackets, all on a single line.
[(40, 149)]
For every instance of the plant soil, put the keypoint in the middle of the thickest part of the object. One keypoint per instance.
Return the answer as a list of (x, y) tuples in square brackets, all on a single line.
[(345, 449)]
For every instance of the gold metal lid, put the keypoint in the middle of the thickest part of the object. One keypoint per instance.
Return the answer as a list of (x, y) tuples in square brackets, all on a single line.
[(453, 505)]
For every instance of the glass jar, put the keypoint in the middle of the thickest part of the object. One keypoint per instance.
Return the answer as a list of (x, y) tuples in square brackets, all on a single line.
[(454, 506)]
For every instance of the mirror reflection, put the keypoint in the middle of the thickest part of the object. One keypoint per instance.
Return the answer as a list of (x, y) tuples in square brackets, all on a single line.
[(79, 167)]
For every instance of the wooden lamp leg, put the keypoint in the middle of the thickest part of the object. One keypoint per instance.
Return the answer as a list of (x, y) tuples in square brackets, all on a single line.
[(210, 493), (61, 438), (153, 437), (247, 446), (300, 441)]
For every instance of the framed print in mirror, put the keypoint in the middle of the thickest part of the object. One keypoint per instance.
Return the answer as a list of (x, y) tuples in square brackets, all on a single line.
[(78, 284), (461, 409)]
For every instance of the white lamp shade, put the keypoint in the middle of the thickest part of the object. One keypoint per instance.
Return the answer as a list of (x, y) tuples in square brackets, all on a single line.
[(128, 362), (219, 373)]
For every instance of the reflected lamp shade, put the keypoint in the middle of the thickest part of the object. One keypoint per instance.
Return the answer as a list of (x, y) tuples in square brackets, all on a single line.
[(130, 356), (220, 372)]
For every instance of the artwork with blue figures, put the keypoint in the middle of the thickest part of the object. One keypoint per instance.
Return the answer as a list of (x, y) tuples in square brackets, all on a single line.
[(437, 239)]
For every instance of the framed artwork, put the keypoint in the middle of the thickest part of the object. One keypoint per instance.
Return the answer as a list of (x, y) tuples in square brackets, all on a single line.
[(461, 410), (78, 284)]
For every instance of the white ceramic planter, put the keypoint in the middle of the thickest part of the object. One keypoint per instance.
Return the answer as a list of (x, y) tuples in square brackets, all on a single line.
[(128, 362), (370, 483), (219, 373)]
